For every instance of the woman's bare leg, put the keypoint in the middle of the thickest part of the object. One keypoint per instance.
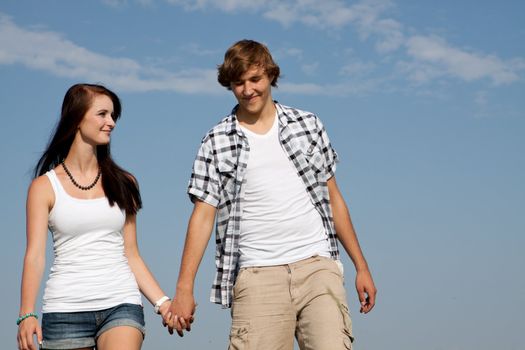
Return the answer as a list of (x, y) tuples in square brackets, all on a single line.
[(120, 338)]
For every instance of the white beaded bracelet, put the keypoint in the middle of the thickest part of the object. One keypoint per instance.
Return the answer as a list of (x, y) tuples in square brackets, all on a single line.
[(159, 302)]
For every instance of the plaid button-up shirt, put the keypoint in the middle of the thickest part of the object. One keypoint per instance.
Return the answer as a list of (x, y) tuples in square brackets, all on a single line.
[(218, 178)]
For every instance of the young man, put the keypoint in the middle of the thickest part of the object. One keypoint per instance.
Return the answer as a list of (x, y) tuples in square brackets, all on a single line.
[(266, 174)]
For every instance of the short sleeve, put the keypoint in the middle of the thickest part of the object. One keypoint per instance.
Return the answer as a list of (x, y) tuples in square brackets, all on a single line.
[(330, 155), (204, 180)]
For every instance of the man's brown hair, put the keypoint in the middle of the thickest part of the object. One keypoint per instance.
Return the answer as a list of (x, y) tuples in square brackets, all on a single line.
[(242, 56)]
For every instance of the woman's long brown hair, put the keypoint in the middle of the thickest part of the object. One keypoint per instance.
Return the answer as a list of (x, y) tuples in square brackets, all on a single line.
[(118, 184)]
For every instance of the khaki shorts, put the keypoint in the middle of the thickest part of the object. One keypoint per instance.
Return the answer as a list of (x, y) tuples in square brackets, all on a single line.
[(305, 299)]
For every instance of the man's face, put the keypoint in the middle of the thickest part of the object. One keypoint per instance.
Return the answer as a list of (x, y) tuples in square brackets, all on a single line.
[(253, 91)]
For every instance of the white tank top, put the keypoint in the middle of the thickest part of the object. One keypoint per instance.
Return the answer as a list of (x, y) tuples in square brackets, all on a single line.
[(279, 223), (90, 271)]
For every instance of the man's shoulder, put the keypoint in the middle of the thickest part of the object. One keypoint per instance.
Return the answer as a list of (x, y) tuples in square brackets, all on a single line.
[(222, 128), (294, 111), (307, 119)]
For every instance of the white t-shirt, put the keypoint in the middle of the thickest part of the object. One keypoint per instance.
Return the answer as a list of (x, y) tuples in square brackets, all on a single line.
[(279, 223), (90, 271)]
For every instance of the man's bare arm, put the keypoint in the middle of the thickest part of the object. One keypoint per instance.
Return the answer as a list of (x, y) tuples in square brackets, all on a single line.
[(366, 289), (198, 234)]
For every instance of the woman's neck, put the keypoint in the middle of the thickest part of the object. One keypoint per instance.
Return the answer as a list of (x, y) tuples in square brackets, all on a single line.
[(82, 157)]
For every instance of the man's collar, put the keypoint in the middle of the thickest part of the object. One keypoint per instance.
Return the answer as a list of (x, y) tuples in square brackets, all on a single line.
[(231, 122), (284, 116)]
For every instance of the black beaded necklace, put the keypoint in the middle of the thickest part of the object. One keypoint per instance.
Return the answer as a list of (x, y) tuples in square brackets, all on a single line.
[(83, 188)]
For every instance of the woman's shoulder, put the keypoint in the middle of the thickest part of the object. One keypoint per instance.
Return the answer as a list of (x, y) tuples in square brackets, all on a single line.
[(41, 189), (41, 182), (44, 181)]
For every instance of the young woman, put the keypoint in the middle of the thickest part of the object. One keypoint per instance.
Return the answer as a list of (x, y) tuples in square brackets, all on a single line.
[(92, 297)]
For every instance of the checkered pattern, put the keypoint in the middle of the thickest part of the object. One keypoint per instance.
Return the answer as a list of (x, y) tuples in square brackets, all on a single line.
[(218, 178)]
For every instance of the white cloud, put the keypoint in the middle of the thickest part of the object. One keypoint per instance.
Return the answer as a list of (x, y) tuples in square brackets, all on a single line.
[(419, 72), (50, 52), (224, 5), (387, 32), (481, 98), (310, 68), (303, 89), (115, 3), (365, 15), (390, 35), (146, 3), (434, 57), (197, 50), (357, 68), (426, 57), (336, 14), (288, 52), (325, 14), (429, 57), (421, 59), (340, 89)]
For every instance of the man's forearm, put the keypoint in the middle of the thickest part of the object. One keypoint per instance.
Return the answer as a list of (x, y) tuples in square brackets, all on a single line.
[(344, 227), (199, 230)]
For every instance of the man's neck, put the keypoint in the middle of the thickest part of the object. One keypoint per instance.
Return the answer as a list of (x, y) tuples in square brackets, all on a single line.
[(258, 123)]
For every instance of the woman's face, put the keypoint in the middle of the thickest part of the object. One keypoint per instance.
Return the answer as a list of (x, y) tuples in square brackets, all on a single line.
[(97, 124)]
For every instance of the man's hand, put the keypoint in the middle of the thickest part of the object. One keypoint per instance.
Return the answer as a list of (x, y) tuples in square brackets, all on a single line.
[(366, 290), (198, 234), (182, 309)]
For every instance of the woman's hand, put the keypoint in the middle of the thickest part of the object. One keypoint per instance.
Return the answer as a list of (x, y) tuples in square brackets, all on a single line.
[(26, 330), (164, 311)]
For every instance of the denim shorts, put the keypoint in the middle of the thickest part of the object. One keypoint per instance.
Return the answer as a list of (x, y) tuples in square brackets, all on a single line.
[(71, 330)]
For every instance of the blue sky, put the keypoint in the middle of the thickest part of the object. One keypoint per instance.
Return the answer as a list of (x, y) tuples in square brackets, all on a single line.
[(424, 102)]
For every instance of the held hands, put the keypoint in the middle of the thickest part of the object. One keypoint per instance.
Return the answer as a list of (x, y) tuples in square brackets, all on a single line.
[(26, 330), (164, 311), (366, 290), (181, 312)]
